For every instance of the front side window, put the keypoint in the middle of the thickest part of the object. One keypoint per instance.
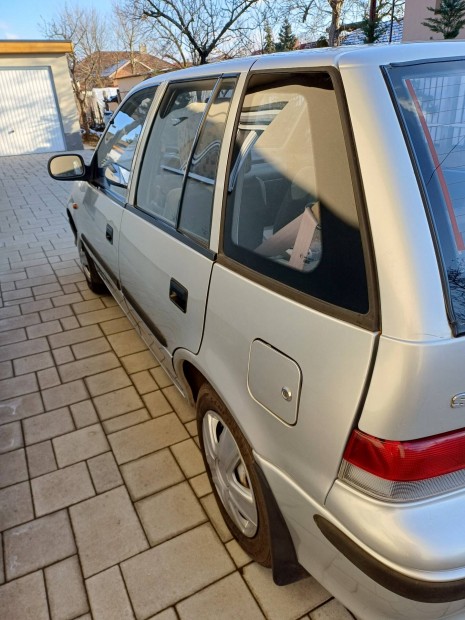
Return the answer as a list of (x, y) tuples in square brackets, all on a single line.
[(116, 151), (430, 98), (291, 211), (169, 146)]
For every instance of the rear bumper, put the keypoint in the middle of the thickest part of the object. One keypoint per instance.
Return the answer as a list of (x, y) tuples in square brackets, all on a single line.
[(402, 585), (398, 578)]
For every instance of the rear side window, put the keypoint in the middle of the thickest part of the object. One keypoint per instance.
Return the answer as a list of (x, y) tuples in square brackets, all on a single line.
[(291, 211), (116, 150), (430, 99)]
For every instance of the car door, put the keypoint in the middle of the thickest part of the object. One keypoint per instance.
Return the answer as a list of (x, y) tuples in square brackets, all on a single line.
[(165, 259), (291, 327), (101, 201)]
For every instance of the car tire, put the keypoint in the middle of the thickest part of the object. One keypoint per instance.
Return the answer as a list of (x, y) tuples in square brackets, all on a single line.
[(230, 467), (94, 281)]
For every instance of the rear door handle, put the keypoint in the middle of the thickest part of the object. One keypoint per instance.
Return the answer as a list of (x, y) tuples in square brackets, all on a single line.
[(178, 295), (109, 233)]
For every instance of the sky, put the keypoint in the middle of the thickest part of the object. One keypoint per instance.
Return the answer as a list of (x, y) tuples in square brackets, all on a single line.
[(19, 20)]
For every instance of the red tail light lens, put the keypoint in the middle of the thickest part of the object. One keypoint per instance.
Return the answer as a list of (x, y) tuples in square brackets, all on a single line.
[(405, 470)]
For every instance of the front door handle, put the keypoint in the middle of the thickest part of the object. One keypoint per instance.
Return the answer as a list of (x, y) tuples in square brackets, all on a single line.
[(178, 295), (109, 233)]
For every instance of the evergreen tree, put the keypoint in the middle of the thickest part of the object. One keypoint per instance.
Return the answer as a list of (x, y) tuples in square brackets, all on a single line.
[(270, 46), (449, 18), (286, 39)]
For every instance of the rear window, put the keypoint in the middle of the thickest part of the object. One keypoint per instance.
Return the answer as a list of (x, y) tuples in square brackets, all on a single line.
[(430, 99)]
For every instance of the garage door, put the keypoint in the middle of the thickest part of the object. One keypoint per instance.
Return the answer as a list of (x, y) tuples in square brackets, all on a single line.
[(29, 117)]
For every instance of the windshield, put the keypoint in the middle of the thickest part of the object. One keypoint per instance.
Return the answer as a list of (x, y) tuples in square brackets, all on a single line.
[(430, 98)]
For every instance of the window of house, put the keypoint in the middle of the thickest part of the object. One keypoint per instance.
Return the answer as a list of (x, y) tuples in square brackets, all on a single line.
[(290, 212)]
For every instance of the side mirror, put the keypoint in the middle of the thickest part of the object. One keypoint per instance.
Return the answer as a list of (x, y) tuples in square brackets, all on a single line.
[(67, 167)]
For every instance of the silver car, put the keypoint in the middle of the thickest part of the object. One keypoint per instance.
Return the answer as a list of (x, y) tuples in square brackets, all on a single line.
[(287, 234)]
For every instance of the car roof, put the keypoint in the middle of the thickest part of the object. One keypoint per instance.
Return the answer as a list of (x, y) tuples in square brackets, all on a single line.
[(353, 55)]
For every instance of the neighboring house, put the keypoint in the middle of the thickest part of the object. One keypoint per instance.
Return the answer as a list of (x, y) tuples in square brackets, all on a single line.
[(416, 11), (122, 70), (386, 35), (37, 108)]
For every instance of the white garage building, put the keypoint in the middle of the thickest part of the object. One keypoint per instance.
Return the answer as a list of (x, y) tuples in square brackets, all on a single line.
[(37, 107)]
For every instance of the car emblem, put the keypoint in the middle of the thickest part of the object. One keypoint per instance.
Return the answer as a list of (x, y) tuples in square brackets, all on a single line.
[(458, 400)]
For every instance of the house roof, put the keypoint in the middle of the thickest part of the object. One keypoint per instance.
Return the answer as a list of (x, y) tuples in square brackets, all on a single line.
[(357, 37), (107, 66)]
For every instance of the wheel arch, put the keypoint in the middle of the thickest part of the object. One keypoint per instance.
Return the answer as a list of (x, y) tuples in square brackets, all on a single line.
[(285, 566)]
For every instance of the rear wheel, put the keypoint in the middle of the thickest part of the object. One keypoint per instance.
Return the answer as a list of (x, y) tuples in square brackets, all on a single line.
[(94, 281), (230, 466)]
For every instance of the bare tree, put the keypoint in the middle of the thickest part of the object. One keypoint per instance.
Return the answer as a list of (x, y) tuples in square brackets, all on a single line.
[(198, 27), (87, 30), (128, 32)]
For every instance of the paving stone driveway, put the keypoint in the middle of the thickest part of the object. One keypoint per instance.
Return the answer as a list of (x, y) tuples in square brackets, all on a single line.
[(105, 508)]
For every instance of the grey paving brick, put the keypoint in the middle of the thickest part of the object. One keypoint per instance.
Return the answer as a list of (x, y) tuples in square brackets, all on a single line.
[(80, 445), (6, 370), (18, 386), (107, 381), (293, 601), (126, 343), (82, 334), (35, 306), (117, 402), (88, 366), (138, 361), (84, 414), (108, 597), (33, 363), (156, 403), (98, 316), (37, 544), (6, 313), (46, 288), (104, 471), (16, 295), (44, 329), (24, 598), (61, 488), (98, 523), (69, 322), (189, 458), (210, 506), (185, 412), (170, 513), (171, 571), (11, 437), (65, 588), (63, 395), (37, 281), (147, 437), (12, 336), (115, 326), (16, 322), (63, 355), (124, 421), (88, 306), (15, 505), (65, 300), (51, 424), (48, 378), (20, 407), (229, 598), (239, 556), (90, 347), (13, 467), (41, 459), (21, 349), (55, 313), (144, 382), (151, 474)]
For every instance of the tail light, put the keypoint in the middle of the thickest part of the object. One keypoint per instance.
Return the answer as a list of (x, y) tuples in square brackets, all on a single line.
[(401, 471)]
